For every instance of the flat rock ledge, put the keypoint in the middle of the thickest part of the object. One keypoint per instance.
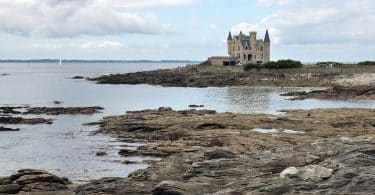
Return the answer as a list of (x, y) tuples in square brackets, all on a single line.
[(49, 110), (31, 181), (337, 92), (27, 121)]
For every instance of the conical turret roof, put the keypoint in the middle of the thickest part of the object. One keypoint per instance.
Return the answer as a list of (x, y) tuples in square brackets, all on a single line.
[(229, 36), (267, 37)]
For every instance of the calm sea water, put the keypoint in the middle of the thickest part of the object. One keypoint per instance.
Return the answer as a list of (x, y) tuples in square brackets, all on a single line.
[(65, 147)]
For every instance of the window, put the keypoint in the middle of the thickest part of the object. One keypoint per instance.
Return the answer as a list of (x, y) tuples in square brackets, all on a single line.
[(249, 57), (250, 48), (255, 57), (238, 48), (244, 56), (261, 48), (261, 56)]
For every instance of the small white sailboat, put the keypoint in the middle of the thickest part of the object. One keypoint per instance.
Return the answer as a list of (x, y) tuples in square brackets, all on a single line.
[(60, 61)]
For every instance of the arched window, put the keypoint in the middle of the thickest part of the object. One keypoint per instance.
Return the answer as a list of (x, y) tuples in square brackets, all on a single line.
[(249, 57), (261, 48)]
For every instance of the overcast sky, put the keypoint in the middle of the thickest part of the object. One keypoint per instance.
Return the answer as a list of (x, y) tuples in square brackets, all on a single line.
[(307, 30)]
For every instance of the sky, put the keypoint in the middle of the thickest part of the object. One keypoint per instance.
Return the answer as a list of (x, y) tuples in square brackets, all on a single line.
[(306, 30)]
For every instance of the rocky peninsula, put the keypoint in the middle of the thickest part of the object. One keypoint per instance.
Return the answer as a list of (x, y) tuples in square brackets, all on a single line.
[(346, 83), (219, 76)]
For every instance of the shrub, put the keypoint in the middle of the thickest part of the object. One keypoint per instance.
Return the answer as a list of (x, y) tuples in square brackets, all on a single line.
[(283, 64), (274, 65), (250, 66), (366, 63)]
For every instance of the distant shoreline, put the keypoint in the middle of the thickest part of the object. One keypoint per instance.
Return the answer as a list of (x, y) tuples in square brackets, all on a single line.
[(96, 61)]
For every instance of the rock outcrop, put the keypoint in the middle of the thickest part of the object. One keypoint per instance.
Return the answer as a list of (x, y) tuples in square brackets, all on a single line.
[(30, 181)]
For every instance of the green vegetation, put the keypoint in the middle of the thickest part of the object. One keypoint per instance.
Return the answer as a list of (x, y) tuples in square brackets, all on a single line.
[(250, 66), (366, 63), (280, 64)]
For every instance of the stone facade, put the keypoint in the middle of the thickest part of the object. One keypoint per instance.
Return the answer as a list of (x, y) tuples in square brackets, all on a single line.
[(222, 60), (249, 48)]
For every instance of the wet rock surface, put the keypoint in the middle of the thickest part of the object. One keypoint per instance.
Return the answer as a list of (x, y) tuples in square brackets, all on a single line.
[(219, 76), (217, 153), (30, 181), (27, 121), (63, 110), (2, 129), (337, 92)]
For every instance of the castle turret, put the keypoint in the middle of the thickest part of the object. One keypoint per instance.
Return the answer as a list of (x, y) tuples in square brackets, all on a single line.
[(267, 47), (253, 39), (230, 43)]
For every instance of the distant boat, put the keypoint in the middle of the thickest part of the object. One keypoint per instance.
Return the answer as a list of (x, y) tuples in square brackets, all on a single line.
[(60, 62)]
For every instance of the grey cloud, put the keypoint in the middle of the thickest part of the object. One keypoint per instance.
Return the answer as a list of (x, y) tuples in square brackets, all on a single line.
[(70, 18)]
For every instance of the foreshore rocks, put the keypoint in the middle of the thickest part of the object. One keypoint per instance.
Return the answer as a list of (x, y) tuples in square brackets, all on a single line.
[(63, 110), (30, 181), (204, 152)]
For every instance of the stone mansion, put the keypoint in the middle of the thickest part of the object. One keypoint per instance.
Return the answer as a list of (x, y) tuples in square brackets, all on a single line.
[(243, 49), (249, 48)]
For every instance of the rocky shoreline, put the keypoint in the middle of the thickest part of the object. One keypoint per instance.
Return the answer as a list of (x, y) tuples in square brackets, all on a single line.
[(329, 151), (220, 76), (203, 152), (321, 151)]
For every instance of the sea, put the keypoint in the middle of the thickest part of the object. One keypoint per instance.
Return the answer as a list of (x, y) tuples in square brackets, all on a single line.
[(68, 148)]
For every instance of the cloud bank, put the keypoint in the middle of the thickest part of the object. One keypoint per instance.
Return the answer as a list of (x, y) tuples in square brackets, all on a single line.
[(317, 22), (71, 18)]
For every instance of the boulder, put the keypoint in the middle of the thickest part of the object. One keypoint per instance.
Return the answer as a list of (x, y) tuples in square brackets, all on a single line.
[(310, 172)]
